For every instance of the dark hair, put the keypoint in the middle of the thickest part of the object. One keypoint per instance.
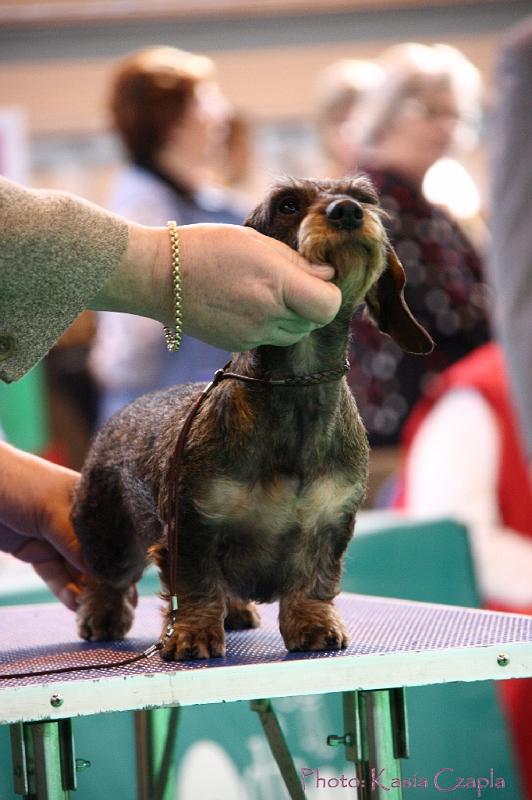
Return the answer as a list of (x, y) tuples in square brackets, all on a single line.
[(150, 93)]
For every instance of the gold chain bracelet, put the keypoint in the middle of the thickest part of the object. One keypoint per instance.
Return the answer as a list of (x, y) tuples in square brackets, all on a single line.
[(173, 339)]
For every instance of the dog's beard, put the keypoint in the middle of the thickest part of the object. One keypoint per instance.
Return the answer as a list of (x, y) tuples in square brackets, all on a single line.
[(357, 256)]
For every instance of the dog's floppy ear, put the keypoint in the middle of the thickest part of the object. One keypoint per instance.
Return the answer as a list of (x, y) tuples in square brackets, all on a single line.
[(387, 305), (259, 219)]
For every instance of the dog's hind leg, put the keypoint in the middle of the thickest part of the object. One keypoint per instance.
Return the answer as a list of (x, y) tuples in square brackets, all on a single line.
[(105, 612), (240, 615), (108, 527)]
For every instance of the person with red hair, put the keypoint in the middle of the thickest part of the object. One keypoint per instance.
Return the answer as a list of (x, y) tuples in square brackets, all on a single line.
[(170, 117)]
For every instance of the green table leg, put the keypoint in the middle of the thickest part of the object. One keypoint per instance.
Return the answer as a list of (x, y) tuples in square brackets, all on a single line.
[(156, 736), (279, 748), (375, 738), (44, 767)]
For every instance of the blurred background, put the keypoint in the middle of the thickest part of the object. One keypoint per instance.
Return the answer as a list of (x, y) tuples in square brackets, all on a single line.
[(291, 74), (272, 60), (57, 59)]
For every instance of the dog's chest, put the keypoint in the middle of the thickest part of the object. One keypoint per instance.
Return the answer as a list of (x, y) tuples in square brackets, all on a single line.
[(277, 505)]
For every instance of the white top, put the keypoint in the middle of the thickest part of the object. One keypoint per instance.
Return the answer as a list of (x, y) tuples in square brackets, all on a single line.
[(453, 471)]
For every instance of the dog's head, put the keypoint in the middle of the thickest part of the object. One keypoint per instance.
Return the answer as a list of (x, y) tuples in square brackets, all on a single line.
[(340, 223)]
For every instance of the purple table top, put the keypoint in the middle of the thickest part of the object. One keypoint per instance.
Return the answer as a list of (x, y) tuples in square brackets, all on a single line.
[(392, 642)]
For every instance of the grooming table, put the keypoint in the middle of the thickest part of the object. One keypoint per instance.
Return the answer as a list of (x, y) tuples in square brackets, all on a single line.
[(394, 644)]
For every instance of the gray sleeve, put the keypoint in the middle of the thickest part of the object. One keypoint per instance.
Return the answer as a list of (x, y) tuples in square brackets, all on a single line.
[(511, 203), (56, 252)]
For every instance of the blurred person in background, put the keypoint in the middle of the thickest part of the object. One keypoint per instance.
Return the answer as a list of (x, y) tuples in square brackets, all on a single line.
[(338, 89), (464, 458), (169, 115), (411, 118), (235, 168)]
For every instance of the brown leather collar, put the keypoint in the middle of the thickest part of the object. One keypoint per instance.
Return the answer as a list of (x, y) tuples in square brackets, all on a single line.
[(312, 379)]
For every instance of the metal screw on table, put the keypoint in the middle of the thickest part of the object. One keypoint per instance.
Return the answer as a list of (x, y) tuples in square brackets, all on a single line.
[(56, 700), (503, 660)]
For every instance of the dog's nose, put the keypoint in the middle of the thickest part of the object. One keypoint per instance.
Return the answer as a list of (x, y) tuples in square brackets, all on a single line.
[(346, 214)]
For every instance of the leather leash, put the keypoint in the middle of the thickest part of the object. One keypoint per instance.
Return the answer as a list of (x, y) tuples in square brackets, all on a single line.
[(173, 526)]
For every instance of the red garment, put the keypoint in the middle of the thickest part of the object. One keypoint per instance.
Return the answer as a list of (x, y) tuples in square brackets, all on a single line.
[(484, 370)]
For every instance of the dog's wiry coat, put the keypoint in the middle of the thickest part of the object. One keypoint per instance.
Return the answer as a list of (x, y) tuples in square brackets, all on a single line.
[(272, 476)]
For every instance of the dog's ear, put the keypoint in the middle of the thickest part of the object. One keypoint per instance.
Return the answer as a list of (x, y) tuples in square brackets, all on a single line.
[(387, 305), (259, 218)]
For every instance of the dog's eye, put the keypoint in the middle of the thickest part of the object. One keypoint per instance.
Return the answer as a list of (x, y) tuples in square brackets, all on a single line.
[(288, 205)]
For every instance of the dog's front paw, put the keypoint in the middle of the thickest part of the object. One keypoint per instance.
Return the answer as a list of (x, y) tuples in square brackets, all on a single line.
[(317, 627), (241, 615), (104, 621), (190, 642)]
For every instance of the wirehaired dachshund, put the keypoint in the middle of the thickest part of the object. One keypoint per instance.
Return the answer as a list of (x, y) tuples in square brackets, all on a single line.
[(271, 478)]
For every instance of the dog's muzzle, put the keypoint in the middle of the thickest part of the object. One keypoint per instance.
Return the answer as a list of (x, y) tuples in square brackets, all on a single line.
[(345, 214)]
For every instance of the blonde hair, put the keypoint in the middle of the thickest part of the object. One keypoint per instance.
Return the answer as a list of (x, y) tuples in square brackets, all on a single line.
[(408, 70), (341, 84)]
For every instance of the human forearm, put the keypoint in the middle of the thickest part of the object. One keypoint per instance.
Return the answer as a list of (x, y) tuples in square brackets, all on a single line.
[(35, 494), (12, 475), (56, 251), (60, 255), (35, 500), (141, 283), (239, 288)]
